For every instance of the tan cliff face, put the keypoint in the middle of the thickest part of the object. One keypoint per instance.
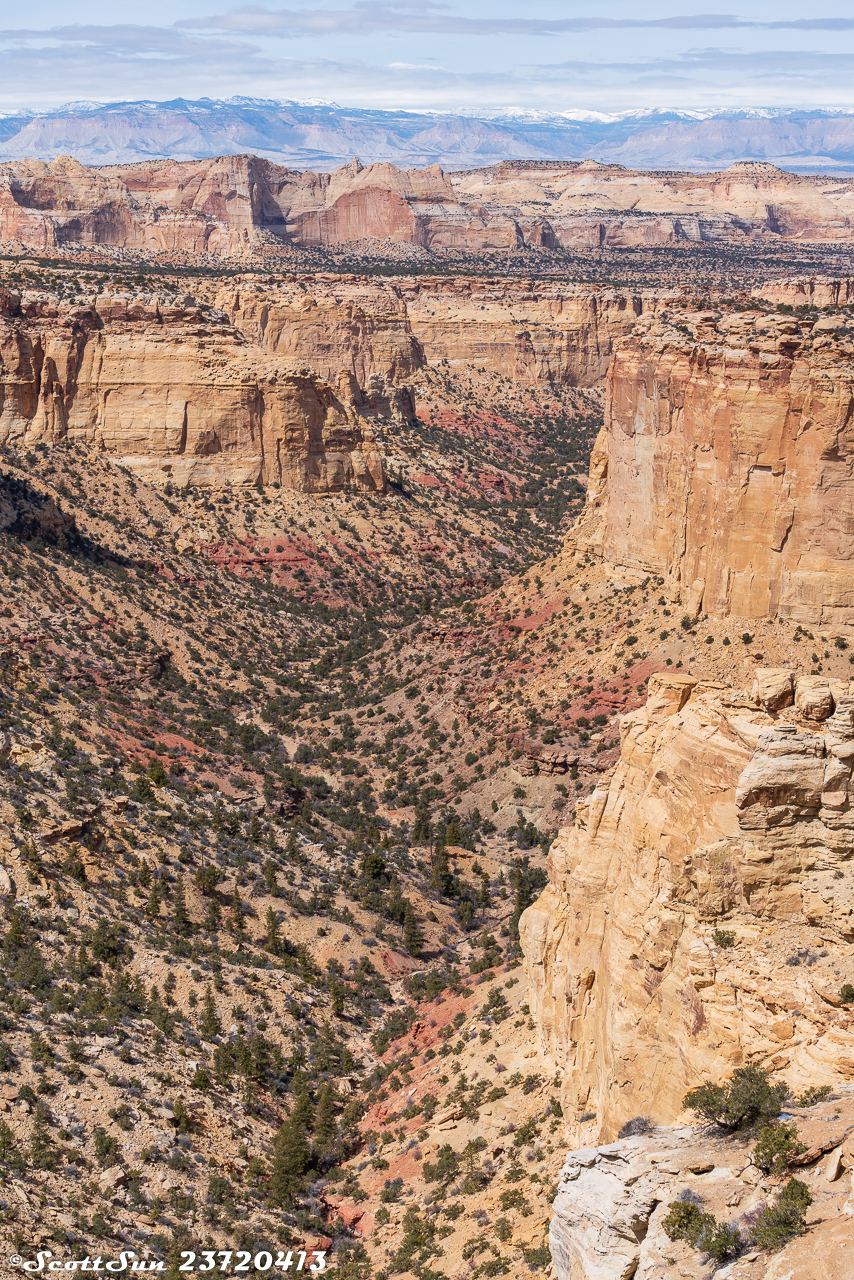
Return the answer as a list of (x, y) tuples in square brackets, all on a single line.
[(529, 331), (331, 323), (177, 393), (725, 464), (718, 814), (224, 204)]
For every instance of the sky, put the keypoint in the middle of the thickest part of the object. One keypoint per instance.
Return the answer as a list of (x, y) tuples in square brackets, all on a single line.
[(470, 55)]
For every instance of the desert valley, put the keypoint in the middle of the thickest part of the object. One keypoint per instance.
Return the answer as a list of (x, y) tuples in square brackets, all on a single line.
[(427, 719)]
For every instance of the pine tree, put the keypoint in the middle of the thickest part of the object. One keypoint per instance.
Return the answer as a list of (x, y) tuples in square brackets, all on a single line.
[(42, 1152), (290, 1161), (209, 1025), (152, 907), (306, 810), (291, 845), (145, 875), (214, 917), (270, 878), (181, 921), (421, 827), (440, 876), (273, 936), (412, 939), (303, 1112), (9, 1153), (15, 934), (238, 917), (325, 1126)]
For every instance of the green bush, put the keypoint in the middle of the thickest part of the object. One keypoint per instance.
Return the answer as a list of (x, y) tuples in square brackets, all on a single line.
[(744, 1101), (784, 1219), (846, 994), (723, 938), (686, 1221), (815, 1093), (106, 1147), (777, 1144)]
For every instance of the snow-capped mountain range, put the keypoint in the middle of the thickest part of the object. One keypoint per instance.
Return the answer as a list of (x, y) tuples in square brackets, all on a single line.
[(319, 134)]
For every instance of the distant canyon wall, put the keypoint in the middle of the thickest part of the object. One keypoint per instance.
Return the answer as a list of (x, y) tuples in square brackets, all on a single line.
[(227, 204), (726, 464), (527, 330), (281, 381), (174, 391)]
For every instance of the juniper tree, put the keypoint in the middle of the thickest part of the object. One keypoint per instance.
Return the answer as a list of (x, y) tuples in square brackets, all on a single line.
[(412, 939), (288, 1164), (209, 1024)]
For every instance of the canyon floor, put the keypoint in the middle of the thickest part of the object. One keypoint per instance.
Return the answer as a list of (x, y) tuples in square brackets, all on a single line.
[(279, 774)]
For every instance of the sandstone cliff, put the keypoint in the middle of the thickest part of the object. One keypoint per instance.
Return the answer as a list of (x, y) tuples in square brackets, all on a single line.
[(725, 464), (175, 392), (719, 812), (529, 331), (225, 204)]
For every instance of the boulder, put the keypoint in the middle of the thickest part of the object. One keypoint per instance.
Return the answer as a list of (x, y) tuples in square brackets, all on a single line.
[(813, 698), (773, 687), (112, 1179)]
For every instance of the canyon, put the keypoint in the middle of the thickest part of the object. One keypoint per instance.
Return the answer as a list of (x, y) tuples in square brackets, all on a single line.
[(346, 671), (230, 204), (289, 381)]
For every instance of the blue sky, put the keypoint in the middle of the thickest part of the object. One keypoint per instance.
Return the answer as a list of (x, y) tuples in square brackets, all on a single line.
[(550, 55)]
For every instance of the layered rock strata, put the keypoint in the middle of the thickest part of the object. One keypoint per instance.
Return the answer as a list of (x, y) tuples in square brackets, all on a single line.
[(725, 463), (174, 391), (718, 814), (225, 204), (530, 331)]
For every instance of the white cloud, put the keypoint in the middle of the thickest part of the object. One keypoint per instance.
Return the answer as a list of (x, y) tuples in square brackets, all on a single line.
[(420, 54)]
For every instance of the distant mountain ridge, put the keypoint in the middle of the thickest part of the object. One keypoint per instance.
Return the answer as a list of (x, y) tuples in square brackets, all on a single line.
[(320, 134)]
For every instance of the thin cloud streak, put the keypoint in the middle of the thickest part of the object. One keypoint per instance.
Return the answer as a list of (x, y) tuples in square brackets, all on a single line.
[(376, 18)]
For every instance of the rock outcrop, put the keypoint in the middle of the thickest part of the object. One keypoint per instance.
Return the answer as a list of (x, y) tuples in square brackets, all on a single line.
[(173, 391), (612, 1201), (225, 204), (726, 464), (718, 815)]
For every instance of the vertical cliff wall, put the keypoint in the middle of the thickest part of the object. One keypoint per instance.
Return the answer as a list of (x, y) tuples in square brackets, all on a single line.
[(176, 392), (718, 810), (727, 464)]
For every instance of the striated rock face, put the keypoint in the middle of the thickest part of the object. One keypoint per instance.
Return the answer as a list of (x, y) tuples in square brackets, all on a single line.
[(717, 814), (726, 464), (221, 205), (526, 330), (331, 323), (175, 392)]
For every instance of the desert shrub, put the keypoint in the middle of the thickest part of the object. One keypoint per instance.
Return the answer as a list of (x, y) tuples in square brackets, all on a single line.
[(815, 1093), (723, 938), (444, 1168), (777, 1144), (784, 1219), (687, 1221), (637, 1125), (744, 1101), (846, 993), (106, 1147)]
